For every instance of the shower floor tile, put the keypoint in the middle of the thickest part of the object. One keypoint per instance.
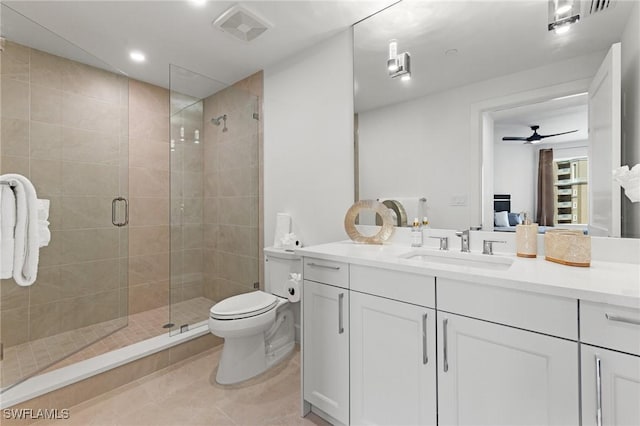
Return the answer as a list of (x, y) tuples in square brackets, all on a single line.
[(186, 394), (38, 355)]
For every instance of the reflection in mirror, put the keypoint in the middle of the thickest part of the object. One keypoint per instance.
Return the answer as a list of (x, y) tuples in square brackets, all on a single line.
[(515, 169), (472, 82)]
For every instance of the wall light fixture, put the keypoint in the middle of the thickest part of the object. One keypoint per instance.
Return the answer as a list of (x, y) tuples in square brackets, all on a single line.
[(562, 13), (398, 65)]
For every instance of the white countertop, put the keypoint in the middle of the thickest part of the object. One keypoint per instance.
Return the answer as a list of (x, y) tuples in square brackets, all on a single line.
[(606, 282)]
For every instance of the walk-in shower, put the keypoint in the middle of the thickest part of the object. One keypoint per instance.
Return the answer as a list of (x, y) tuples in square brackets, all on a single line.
[(90, 135)]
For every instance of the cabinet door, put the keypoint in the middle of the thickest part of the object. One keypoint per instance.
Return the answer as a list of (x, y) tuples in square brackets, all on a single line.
[(610, 388), (489, 374), (393, 362), (326, 348)]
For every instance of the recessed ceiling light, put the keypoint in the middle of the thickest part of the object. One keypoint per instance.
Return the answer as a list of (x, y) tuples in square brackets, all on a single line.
[(137, 56), (198, 3)]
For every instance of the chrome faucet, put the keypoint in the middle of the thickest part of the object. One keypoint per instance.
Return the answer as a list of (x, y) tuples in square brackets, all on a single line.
[(444, 242), (464, 240), (487, 245)]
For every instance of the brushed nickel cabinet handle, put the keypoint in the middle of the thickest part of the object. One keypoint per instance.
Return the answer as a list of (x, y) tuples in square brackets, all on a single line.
[(598, 391), (425, 358), (618, 318), (445, 323), (317, 265), (340, 314)]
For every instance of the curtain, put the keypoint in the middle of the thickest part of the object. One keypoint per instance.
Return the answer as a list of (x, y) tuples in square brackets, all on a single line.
[(544, 212)]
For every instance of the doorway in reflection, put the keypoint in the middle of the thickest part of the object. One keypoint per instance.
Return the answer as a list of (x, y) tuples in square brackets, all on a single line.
[(516, 171)]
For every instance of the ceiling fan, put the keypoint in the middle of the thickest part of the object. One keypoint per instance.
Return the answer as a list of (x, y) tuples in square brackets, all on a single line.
[(535, 137)]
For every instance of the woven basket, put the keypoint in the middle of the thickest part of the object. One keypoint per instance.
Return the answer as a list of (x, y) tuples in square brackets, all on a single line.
[(567, 247)]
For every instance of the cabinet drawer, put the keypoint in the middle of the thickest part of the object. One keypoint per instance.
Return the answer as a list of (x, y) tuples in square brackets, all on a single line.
[(326, 271), (397, 285), (610, 326), (556, 316)]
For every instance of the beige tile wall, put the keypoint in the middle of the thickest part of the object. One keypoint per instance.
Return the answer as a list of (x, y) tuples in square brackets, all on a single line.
[(149, 196), (232, 167), (63, 126), (187, 263)]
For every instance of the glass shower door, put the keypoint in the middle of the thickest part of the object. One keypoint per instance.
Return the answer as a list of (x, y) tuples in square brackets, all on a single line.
[(64, 121), (214, 195)]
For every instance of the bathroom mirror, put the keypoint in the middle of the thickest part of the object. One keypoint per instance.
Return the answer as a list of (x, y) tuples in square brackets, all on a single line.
[(469, 61)]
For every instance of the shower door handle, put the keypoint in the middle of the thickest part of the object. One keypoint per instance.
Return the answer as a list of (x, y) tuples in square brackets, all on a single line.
[(114, 203)]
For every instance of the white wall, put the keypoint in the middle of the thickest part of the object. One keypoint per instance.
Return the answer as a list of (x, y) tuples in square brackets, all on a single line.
[(514, 172), (422, 147), (631, 115), (308, 141), (568, 151)]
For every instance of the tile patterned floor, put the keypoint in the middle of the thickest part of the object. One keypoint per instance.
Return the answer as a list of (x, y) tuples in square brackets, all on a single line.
[(28, 358), (187, 394)]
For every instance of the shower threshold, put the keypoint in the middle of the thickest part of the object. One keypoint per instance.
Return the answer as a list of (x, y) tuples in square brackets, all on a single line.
[(64, 376)]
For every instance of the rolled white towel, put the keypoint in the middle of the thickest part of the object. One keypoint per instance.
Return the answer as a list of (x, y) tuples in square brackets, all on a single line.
[(7, 225), (44, 234), (26, 249), (43, 209)]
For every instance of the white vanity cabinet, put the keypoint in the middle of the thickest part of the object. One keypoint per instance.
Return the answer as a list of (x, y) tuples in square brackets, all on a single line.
[(390, 344), (325, 352), (495, 374), (393, 347), (610, 377), (610, 388), (490, 374)]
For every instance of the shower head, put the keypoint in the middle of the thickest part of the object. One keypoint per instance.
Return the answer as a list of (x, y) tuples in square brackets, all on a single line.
[(218, 120)]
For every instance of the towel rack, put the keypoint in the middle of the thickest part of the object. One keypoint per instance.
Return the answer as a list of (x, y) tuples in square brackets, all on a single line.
[(4, 182)]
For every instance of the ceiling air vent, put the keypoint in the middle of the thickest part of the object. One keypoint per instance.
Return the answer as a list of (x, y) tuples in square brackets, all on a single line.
[(242, 23), (591, 7)]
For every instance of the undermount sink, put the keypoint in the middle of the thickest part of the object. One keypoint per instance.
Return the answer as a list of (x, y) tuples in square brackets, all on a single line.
[(471, 260)]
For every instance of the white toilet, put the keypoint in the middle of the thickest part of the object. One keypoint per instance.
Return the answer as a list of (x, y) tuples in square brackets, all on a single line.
[(257, 327)]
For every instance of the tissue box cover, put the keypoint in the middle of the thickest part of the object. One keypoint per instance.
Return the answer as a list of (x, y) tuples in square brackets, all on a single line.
[(567, 247)]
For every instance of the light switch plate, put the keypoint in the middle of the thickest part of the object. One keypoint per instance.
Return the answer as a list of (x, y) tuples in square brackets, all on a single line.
[(458, 200)]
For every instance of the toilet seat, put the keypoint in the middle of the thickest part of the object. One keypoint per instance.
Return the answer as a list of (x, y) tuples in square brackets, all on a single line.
[(243, 306)]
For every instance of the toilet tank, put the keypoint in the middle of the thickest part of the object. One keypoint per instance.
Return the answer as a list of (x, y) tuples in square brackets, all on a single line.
[(278, 264)]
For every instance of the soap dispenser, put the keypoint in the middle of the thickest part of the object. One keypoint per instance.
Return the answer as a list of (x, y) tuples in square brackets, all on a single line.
[(527, 238), (416, 233)]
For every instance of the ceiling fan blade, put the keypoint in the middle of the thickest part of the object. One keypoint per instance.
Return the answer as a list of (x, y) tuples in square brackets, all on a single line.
[(513, 138), (556, 134)]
